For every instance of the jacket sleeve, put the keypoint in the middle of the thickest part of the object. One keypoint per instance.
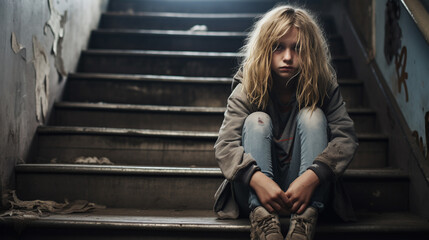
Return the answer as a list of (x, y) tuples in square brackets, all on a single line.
[(334, 160), (235, 164)]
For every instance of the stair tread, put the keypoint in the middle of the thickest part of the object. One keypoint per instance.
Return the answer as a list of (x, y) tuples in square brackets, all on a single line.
[(181, 171), (173, 32), (222, 34), (170, 78), (183, 15), (137, 107), (148, 77), (204, 220), (150, 132), (163, 53), (124, 131), (176, 53), (184, 109)]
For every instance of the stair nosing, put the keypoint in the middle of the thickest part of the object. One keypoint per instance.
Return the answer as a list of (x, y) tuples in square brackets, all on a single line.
[(142, 108), (125, 131), (380, 173), (161, 32), (148, 226), (158, 133), (163, 108), (149, 77), (118, 170), (170, 78), (184, 15), (172, 32), (241, 225), (205, 223), (197, 54)]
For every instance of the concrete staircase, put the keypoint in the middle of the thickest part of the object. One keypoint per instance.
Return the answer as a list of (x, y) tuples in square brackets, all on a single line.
[(150, 96)]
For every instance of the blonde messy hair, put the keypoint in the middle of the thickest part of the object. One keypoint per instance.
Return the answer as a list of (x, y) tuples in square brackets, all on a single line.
[(316, 70)]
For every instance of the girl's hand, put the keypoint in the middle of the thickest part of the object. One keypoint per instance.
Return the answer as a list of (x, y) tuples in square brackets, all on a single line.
[(269, 193), (300, 191)]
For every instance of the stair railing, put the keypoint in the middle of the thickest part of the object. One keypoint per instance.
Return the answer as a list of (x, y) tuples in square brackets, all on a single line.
[(419, 14)]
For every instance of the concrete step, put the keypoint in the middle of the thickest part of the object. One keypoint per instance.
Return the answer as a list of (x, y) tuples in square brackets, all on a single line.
[(171, 90), (165, 117), (182, 63), (175, 40), (240, 22), (114, 223), (174, 188), (161, 147), (201, 64), (138, 116), (148, 89), (167, 40), (192, 6)]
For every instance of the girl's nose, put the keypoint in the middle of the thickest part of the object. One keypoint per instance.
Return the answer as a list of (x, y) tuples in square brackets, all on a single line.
[(287, 56)]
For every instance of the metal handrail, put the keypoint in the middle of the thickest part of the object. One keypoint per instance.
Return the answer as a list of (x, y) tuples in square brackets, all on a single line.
[(419, 14)]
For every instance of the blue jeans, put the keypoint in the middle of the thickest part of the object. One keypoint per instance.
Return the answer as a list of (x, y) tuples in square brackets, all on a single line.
[(311, 138)]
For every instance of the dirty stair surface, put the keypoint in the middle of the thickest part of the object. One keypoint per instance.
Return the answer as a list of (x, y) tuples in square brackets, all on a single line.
[(150, 96)]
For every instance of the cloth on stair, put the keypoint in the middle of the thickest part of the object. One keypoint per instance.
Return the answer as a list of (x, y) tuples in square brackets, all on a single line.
[(43, 208), (93, 160)]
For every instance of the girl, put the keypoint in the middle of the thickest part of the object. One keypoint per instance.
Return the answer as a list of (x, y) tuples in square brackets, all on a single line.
[(286, 136)]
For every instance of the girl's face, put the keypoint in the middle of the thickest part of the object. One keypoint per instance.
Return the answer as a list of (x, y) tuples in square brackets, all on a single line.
[(285, 60)]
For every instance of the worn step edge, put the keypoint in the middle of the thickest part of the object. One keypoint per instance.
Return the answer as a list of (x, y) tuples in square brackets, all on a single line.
[(148, 77), (180, 171), (125, 131), (160, 108), (141, 108), (171, 32), (121, 170), (104, 52), (167, 78), (208, 223), (183, 15), (158, 133)]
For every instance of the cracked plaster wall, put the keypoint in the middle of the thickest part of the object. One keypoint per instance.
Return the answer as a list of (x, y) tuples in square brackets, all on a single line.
[(18, 109)]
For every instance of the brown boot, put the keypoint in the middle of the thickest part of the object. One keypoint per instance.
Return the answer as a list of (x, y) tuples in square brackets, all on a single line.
[(303, 226), (264, 225)]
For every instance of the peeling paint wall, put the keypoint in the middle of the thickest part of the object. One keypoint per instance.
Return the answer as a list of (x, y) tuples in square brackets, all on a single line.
[(405, 72), (41, 42), (402, 58), (407, 75)]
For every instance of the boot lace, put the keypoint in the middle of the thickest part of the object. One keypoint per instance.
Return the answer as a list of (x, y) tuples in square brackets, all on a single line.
[(268, 225), (302, 226)]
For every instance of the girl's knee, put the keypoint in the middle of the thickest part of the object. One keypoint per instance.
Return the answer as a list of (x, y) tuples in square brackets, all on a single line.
[(312, 119), (258, 121)]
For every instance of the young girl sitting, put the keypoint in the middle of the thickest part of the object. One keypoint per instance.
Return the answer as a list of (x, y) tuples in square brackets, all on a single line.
[(286, 137)]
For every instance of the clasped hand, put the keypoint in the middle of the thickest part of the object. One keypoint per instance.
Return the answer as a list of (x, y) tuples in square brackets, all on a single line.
[(294, 200)]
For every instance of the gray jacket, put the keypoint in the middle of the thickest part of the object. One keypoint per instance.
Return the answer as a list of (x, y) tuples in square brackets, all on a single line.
[(236, 165)]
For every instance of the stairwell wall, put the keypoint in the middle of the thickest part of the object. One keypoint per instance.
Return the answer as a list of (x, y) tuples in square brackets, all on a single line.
[(404, 150), (40, 43)]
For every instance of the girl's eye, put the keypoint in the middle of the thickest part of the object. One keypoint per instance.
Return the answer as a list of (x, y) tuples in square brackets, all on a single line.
[(278, 48), (296, 47)]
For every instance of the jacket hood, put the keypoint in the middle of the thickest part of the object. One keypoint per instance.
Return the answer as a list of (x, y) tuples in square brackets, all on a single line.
[(237, 79)]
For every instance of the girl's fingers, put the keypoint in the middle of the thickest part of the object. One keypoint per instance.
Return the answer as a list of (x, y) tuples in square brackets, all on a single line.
[(268, 208), (296, 205), (275, 206), (302, 208), (285, 200)]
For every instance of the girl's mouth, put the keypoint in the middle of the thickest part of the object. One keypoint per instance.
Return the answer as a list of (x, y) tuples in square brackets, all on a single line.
[(286, 69)]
